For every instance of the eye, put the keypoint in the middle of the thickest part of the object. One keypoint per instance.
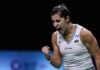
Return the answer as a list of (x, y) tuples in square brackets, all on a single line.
[(58, 21)]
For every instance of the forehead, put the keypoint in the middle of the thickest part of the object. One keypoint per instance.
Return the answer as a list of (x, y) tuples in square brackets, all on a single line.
[(56, 16)]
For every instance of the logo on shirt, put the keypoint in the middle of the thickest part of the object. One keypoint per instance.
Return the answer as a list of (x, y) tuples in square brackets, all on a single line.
[(68, 48), (76, 41)]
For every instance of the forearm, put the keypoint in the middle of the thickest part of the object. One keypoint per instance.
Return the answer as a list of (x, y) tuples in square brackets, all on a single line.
[(98, 64), (48, 57), (55, 61)]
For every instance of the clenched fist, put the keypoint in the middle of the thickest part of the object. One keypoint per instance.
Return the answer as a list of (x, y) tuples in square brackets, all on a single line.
[(46, 50)]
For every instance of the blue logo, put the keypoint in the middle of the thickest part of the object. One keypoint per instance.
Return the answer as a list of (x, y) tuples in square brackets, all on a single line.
[(15, 65), (27, 65)]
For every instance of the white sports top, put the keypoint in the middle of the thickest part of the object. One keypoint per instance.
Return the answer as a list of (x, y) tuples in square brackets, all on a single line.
[(75, 54)]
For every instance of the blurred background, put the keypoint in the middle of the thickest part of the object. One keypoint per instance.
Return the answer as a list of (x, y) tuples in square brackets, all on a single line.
[(26, 27)]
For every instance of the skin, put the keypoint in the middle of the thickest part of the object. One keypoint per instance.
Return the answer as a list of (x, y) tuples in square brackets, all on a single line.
[(66, 28), (91, 43)]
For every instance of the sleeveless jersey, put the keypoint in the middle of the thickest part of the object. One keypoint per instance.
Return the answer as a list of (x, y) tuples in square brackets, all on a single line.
[(74, 52)]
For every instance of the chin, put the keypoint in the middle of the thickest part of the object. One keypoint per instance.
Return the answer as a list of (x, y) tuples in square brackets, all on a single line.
[(60, 31)]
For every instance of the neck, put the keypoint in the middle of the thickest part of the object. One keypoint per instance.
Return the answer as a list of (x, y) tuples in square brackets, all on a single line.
[(68, 30)]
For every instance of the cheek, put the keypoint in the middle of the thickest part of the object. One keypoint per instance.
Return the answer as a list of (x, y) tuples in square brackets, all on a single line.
[(62, 23), (54, 24)]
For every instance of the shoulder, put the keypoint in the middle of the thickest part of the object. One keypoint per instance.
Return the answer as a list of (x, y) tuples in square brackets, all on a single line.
[(86, 35), (85, 32), (54, 37), (54, 34)]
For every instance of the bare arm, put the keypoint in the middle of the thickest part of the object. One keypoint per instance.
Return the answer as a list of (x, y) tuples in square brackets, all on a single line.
[(56, 59), (91, 43)]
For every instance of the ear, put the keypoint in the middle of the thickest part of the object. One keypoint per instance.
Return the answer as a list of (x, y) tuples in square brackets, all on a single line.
[(67, 18)]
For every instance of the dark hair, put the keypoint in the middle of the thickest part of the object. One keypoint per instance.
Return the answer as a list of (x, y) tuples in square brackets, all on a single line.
[(62, 9)]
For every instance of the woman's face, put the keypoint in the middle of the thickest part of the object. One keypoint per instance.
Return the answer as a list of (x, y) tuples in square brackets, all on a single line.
[(59, 23)]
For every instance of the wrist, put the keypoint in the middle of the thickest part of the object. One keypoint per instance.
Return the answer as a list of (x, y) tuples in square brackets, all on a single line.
[(48, 57)]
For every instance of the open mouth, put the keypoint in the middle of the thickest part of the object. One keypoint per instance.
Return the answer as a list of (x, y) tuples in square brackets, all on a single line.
[(58, 29)]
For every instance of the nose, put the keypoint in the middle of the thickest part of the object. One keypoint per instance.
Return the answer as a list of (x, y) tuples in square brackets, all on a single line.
[(56, 24)]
